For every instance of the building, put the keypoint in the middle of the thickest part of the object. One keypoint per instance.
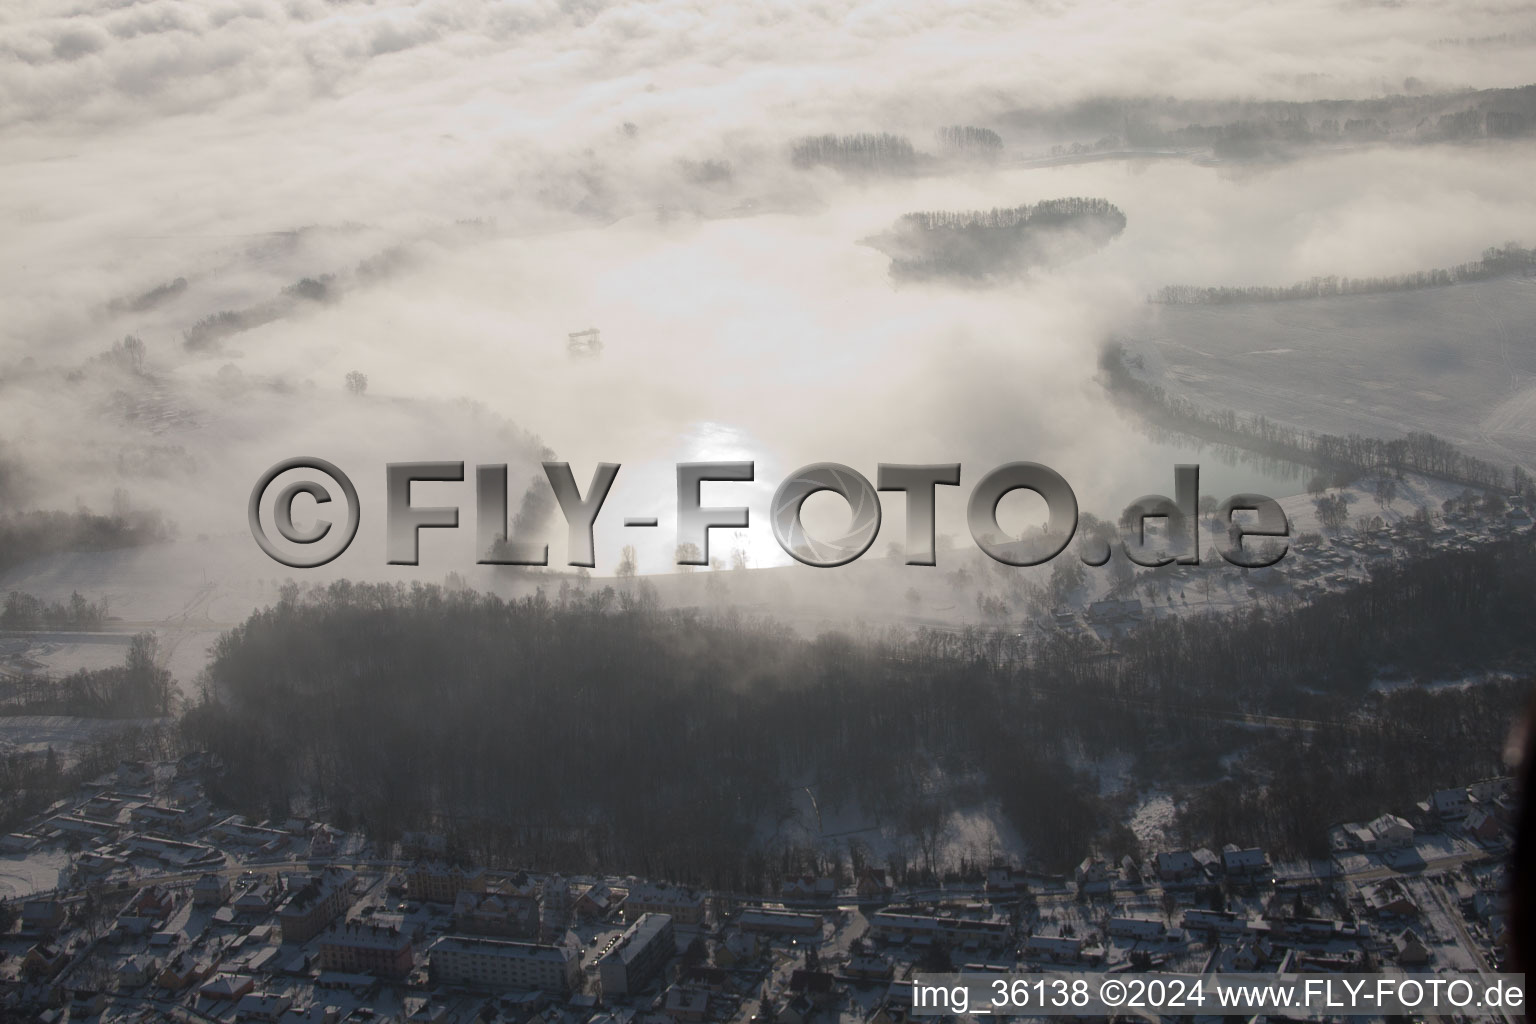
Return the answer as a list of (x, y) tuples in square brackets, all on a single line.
[(1391, 832), (955, 931), (779, 922), (512, 915), (1139, 929), (1250, 863), (210, 890), (684, 906), (640, 953), (315, 904), (436, 881), (1092, 875), (1450, 804), (354, 947), (1389, 898), (493, 964), (264, 1006), (41, 917), (1058, 949), (179, 821), (1178, 867)]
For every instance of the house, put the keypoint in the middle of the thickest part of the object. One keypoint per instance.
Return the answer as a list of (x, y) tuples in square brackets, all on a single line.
[(1391, 832), (262, 1006), (1389, 899), (178, 821), (1246, 864), (1357, 836), (42, 917), (686, 1003), (809, 887), (596, 903), (1139, 929), (779, 922), (1058, 949), (684, 906), (226, 986), (136, 972), (43, 961), (1409, 949), (1178, 867), (1092, 875), (1450, 804), (1129, 870), (868, 965), (1005, 878), (1482, 825), (154, 902), (1251, 954), (178, 972), (210, 890), (1224, 923)]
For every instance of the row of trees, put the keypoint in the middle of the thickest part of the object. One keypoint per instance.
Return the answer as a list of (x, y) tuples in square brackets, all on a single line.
[(24, 611), (1511, 259), (865, 153), (138, 688)]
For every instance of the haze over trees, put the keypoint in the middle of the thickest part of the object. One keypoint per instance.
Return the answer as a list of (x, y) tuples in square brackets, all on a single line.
[(864, 153), (1510, 260), (599, 732), (997, 243)]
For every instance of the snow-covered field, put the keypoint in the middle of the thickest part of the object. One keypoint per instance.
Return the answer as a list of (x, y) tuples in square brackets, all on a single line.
[(37, 733), (1458, 362), (22, 875)]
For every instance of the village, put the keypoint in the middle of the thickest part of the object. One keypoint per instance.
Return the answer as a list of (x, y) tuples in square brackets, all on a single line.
[(168, 909)]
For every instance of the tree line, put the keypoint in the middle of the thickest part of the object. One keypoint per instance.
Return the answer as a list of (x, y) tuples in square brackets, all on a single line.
[(1344, 457), (1510, 260), (138, 688), (24, 611)]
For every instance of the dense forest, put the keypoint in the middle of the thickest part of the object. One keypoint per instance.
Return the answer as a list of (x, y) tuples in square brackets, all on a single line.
[(982, 244), (598, 731), (1342, 458), (1508, 261)]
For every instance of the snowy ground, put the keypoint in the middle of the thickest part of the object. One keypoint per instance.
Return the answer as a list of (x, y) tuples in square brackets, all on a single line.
[(37, 733), (24, 874), (1459, 362)]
